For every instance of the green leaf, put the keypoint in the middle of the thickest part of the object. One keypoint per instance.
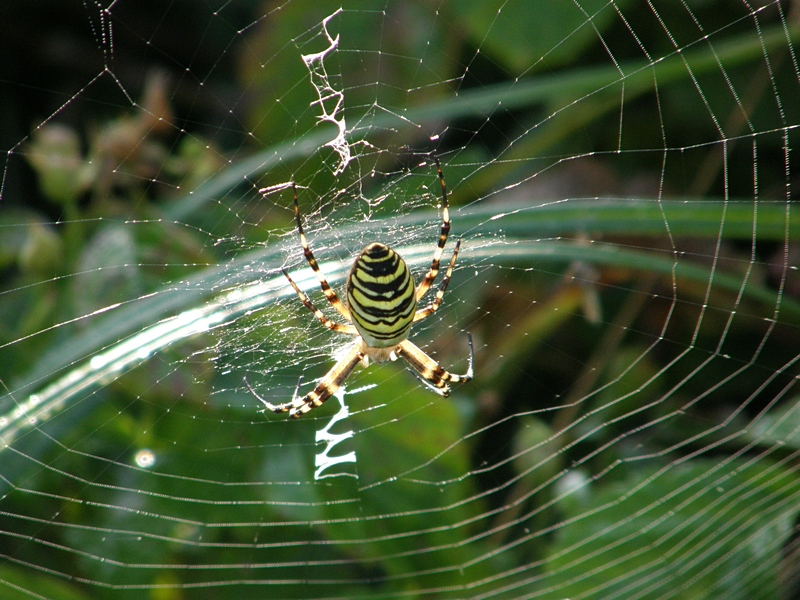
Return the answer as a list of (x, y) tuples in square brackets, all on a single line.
[(702, 529), (521, 33)]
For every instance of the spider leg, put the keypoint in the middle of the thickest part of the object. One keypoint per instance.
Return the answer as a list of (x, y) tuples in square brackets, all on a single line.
[(437, 301), (332, 325), (323, 283), (260, 399), (430, 372), (324, 390), (427, 281)]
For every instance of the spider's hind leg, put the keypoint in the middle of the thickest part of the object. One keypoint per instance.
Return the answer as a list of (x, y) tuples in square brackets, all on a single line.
[(332, 325), (426, 312), (430, 276), (330, 295)]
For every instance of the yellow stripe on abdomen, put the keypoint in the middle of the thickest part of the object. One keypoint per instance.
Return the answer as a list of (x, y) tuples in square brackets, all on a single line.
[(380, 296)]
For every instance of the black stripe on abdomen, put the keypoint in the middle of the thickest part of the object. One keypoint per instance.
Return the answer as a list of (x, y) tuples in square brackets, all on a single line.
[(381, 296)]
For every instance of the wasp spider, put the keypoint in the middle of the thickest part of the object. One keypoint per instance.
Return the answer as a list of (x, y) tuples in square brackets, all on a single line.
[(381, 306)]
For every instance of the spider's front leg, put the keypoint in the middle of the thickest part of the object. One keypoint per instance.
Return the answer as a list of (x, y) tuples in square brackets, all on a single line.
[(324, 390), (430, 372)]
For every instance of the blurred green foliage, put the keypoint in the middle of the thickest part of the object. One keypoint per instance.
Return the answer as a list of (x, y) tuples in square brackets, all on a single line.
[(468, 496)]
